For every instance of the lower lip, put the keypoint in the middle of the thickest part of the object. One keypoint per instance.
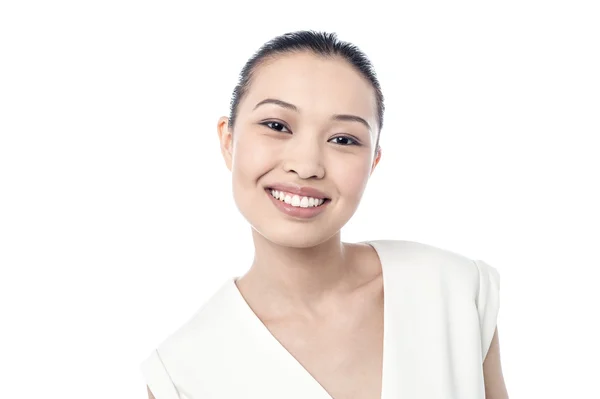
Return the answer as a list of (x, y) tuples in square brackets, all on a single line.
[(299, 212)]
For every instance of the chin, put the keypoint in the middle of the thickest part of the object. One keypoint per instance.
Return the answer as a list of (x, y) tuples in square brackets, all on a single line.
[(294, 234), (296, 239)]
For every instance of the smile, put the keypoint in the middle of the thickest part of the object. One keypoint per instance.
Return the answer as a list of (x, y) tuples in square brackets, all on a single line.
[(296, 200)]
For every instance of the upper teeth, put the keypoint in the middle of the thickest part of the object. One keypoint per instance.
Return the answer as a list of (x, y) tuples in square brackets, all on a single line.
[(296, 200)]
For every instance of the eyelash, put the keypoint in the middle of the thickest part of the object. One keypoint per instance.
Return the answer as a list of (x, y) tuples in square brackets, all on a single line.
[(353, 140)]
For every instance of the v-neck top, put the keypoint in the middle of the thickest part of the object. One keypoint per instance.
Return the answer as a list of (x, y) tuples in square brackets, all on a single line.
[(440, 313)]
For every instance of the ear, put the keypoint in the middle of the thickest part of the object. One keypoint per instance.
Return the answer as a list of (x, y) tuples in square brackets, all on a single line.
[(376, 160), (226, 140)]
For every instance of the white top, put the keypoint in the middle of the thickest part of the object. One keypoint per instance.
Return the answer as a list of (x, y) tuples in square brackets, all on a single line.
[(440, 312)]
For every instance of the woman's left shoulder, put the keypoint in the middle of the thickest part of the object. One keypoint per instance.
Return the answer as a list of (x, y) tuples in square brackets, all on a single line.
[(426, 260), (420, 252)]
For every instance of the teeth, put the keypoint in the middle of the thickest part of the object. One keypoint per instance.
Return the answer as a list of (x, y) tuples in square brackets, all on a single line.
[(296, 200)]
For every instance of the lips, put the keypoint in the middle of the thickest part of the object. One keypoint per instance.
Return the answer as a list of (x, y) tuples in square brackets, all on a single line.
[(298, 212), (302, 191)]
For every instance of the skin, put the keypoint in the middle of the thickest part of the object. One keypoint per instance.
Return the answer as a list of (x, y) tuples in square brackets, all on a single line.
[(302, 274), (307, 151), (495, 388)]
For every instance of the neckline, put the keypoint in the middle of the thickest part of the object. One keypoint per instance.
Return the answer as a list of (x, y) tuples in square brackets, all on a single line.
[(266, 333)]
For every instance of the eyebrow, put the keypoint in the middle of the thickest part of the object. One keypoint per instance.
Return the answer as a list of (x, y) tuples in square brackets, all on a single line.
[(337, 117)]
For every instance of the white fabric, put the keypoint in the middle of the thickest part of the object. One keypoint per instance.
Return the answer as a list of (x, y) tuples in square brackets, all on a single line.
[(439, 319)]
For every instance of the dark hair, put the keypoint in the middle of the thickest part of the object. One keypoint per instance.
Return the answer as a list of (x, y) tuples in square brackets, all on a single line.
[(320, 43)]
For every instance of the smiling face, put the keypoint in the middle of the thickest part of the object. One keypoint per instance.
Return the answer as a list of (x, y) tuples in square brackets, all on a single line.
[(307, 126)]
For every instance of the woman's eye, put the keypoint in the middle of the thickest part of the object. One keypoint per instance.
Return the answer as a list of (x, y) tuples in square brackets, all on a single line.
[(275, 126), (343, 140)]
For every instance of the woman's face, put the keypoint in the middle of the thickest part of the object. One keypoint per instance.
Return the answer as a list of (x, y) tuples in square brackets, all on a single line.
[(300, 142)]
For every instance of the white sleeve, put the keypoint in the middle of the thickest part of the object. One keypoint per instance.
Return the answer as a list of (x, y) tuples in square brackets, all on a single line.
[(157, 378), (488, 303)]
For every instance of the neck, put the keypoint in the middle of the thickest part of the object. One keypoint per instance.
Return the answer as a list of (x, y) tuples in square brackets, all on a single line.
[(299, 278)]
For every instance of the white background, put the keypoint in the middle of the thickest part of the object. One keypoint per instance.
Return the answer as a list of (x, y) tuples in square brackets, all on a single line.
[(116, 217)]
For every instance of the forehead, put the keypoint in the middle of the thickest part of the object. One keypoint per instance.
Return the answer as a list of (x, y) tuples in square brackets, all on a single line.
[(313, 83)]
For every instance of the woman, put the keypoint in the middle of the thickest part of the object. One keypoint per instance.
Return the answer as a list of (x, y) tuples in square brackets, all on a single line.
[(315, 317)]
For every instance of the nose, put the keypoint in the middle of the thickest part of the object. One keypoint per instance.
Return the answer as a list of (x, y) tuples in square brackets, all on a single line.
[(304, 158)]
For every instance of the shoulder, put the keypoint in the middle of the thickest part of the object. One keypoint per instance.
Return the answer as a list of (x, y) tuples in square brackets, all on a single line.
[(425, 258), (202, 332), (417, 249), (209, 343)]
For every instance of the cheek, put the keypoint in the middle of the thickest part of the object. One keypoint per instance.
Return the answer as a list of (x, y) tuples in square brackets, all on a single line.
[(252, 157), (351, 176)]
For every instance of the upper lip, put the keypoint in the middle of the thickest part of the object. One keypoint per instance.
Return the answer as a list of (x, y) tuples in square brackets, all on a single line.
[(298, 190)]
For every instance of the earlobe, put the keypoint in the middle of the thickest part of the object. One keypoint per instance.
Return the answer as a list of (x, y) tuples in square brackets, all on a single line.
[(226, 140)]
